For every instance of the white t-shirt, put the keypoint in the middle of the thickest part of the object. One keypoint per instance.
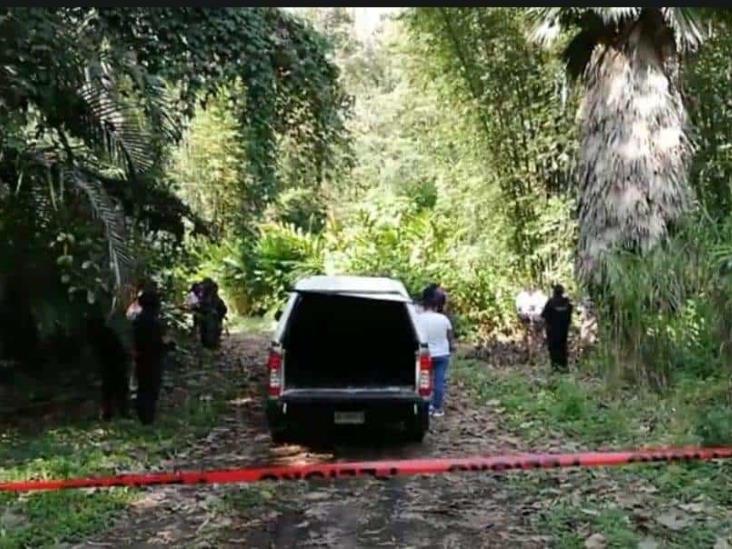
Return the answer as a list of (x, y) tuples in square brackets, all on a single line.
[(191, 300), (133, 310), (435, 326), (530, 304)]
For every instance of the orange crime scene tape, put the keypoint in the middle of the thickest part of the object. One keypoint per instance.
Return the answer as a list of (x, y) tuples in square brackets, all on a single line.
[(379, 469)]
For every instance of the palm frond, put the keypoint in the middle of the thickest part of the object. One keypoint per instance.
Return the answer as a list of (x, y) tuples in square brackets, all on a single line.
[(545, 25), (154, 204), (111, 216), (687, 26), (156, 102), (578, 53), (102, 124), (123, 130), (615, 16)]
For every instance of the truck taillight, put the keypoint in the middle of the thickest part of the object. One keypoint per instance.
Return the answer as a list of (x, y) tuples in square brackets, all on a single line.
[(425, 374), (274, 365)]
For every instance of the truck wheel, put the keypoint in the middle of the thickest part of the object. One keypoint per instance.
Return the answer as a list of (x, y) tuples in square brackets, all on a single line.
[(418, 426)]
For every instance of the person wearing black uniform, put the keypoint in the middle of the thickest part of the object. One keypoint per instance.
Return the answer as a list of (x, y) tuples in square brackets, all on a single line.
[(149, 350), (557, 315)]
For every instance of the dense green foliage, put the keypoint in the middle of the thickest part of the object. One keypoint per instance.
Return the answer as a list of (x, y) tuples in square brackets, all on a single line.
[(92, 102), (258, 146), (668, 312), (422, 200), (710, 110), (461, 170)]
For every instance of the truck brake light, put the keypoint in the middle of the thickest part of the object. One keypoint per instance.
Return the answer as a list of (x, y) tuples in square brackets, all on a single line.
[(425, 374), (274, 365)]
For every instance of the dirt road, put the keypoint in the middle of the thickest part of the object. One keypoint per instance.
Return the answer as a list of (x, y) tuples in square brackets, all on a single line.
[(445, 511)]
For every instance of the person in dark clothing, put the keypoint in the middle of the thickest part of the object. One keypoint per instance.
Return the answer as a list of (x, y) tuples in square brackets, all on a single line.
[(557, 315), (114, 363), (440, 299), (435, 294), (220, 309), (149, 350), (213, 311)]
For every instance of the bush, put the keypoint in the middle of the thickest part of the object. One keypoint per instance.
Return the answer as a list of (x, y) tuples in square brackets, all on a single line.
[(397, 237), (301, 207), (663, 313), (714, 426), (257, 273)]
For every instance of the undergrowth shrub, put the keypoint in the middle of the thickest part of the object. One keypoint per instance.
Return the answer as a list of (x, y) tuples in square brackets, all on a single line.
[(667, 312), (714, 425), (417, 241), (302, 207), (257, 273), (399, 237)]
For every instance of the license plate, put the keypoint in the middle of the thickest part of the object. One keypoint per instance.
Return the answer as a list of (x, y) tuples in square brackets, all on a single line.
[(349, 418)]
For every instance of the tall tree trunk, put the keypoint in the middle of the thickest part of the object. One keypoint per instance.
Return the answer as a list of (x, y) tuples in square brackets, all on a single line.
[(634, 151)]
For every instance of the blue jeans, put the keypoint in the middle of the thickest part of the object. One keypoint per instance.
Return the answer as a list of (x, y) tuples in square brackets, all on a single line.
[(439, 371)]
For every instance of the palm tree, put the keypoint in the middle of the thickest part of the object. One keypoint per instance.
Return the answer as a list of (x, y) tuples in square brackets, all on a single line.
[(634, 153)]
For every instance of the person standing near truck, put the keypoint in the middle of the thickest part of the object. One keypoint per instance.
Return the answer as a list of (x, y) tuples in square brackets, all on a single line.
[(212, 310), (437, 328)]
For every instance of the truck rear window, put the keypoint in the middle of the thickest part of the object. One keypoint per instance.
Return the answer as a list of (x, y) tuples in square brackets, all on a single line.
[(337, 341)]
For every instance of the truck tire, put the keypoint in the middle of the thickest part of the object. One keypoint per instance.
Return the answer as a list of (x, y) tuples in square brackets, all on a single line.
[(417, 426)]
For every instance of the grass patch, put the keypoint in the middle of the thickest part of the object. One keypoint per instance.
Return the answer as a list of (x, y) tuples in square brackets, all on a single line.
[(44, 519), (585, 410), (623, 505), (672, 506), (90, 447), (244, 497)]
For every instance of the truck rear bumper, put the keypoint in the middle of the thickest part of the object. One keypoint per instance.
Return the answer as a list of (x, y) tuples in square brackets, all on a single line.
[(339, 396), (304, 407)]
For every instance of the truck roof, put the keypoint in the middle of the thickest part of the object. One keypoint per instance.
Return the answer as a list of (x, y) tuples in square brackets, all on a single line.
[(347, 284)]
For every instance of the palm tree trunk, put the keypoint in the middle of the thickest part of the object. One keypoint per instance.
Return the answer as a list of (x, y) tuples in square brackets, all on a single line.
[(634, 151)]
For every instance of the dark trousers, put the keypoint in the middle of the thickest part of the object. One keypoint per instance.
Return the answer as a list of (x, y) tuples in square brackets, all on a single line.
[(115, 391), (148, 371), (558, 352), (210, 330)]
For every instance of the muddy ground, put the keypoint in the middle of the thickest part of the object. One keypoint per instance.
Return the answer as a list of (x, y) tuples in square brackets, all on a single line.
[(457, 510)]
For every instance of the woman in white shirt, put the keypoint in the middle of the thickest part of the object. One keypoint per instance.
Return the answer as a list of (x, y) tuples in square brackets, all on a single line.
[(437, 328)]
